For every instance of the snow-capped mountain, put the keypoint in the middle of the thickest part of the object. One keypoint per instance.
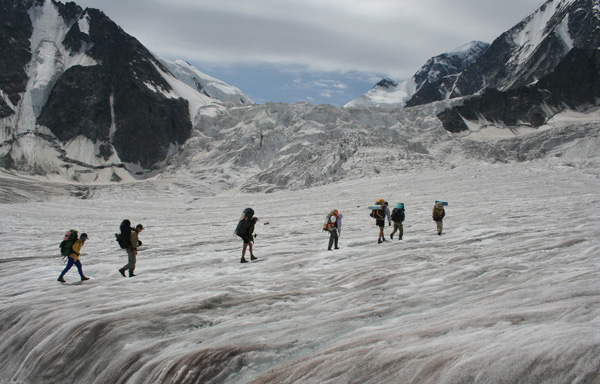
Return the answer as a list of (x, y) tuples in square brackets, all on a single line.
[(81, 98), (391, 94), (528, 51), (204, 83), (513, 64)]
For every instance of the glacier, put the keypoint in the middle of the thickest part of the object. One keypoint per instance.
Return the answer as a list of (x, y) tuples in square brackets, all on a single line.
[(509, 293)]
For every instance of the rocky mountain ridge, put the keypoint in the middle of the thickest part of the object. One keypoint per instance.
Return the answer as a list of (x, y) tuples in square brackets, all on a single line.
[(83, 99)]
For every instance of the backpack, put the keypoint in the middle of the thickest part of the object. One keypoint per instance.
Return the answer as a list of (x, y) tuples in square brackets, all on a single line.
[(438, 212), (328, 223), (379, 213), (67, 244), (123, 238), (398, 215), (245, 222)]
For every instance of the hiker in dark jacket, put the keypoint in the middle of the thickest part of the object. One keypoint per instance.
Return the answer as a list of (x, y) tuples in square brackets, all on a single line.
[(74, 259), (398, 218), (248, 239), (132, 250)]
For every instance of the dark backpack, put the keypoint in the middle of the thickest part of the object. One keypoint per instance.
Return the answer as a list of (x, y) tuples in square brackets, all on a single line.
[(67, 244), (245, 222), (398, 215), (124, 238)]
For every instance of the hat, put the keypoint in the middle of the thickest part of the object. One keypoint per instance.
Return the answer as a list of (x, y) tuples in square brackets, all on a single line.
[(84, 236), (139, 226)]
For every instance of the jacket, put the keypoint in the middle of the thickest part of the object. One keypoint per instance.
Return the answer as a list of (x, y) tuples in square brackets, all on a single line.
[(76, 248), (133, 237)]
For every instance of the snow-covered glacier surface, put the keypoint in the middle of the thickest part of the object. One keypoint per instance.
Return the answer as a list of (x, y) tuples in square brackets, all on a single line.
[(510, 293)]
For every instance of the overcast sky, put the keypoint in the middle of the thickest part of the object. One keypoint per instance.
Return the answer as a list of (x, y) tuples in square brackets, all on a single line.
[(321, 51)]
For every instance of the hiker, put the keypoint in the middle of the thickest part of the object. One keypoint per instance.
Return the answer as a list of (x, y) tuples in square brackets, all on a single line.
[(398, 218), (438, 215), (248, 240), (74, 259), (244, 230), (333, 224), (380, 215), (132, 248)]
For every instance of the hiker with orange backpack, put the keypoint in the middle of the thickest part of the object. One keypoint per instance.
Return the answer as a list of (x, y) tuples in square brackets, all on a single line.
[(333, 224)]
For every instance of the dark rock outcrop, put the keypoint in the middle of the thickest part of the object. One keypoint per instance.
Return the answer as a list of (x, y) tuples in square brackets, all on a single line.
[(574, 84), (15, 31), (147, 122)]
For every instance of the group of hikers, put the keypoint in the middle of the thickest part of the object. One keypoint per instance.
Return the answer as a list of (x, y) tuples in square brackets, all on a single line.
[(333, 224), (128, 238), (380, 212)]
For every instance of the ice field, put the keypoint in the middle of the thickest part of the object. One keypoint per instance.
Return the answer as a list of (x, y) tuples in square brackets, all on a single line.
[(510, 293)]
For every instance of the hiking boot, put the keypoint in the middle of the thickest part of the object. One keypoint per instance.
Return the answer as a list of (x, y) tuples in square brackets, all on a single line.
[(379, 241), (252, 257), (61, 279), (84, 278), (243, 260), (131, 274), (122, 272), (336, 248)]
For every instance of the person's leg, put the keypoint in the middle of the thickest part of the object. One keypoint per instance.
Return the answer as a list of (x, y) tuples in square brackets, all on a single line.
[(80, 270), (130, 262), (243, 260), (401, 231), (70, 263), (440, 226), (330, 241), (335, 239), (252, 257)]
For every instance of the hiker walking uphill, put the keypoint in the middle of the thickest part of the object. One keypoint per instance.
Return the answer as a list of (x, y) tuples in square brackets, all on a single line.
[(438, 215), (73, 248), (379, 212), (333, 224), (128, 240), (398, 218), (245, 230)]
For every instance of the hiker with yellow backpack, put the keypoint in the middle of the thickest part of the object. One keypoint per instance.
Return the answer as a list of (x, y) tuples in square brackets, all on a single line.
[(379, 212)]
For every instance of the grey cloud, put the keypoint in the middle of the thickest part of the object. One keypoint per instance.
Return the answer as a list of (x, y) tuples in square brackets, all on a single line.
[(382, 36)]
